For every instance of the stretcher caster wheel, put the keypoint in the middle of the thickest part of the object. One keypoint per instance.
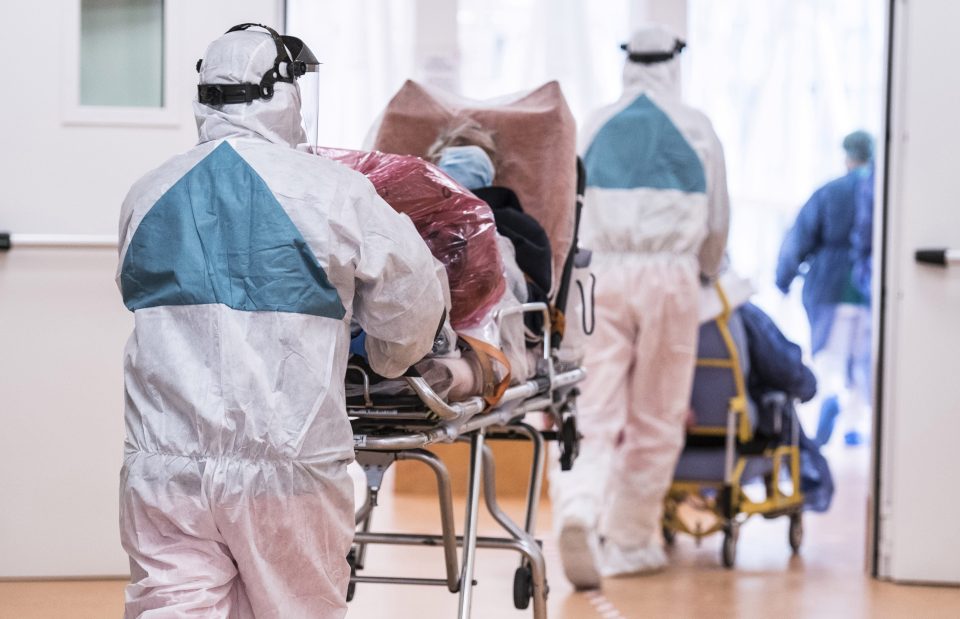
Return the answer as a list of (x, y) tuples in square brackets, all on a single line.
[(352, 587), (669, 536), (796, 531), (522, 587), (569, 443), (729, 551)]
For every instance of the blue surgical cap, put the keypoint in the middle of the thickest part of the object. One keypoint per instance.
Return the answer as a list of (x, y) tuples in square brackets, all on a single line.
[(468, 165), (859, 146)]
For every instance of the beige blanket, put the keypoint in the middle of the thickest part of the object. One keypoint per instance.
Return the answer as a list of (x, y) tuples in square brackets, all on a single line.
[(536, 143)]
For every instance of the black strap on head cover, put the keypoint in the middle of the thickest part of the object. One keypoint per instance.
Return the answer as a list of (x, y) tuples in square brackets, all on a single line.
[(654, 57), (284, 70)]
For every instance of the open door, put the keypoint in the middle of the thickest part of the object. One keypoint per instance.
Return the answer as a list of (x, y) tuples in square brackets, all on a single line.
[(918, 371)]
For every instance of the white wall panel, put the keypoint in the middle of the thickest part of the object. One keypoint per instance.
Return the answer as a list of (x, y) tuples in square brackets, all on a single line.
[(62, 323)]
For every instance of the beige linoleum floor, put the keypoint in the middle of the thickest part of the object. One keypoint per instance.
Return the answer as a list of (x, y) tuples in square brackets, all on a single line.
[(826, 580)]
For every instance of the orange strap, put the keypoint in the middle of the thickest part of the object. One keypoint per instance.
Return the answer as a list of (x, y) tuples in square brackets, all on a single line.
[(559, 320), (486, 355)]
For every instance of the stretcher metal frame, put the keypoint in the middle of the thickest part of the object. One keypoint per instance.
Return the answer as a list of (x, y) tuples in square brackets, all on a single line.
[(732, 507), (384, 435)]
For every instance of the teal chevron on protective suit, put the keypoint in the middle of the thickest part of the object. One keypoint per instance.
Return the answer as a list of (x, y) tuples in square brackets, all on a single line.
[(640, 147), (220, 236)]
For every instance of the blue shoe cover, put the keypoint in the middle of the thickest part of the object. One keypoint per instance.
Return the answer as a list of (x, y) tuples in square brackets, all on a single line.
[(853, 438), (829, 411)]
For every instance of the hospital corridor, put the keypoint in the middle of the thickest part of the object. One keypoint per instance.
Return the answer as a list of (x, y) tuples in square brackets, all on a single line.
[(479, 309)]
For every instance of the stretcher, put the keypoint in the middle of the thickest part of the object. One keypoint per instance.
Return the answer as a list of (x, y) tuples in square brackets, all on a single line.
[(388, 429), (535, 136)]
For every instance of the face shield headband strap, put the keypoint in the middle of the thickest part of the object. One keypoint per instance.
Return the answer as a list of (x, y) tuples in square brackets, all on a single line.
[(284, 70), (654, 57)]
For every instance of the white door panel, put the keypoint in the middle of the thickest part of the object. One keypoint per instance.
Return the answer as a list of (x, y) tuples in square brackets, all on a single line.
[(920, 401)]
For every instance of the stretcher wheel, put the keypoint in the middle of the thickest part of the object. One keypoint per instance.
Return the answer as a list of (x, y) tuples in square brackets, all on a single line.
[(569, 442), (796, 531), (352, 587), (522, 587), (729, 551)]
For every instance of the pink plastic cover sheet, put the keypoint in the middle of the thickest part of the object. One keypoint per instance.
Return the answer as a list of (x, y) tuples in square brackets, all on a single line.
[(458, 227)]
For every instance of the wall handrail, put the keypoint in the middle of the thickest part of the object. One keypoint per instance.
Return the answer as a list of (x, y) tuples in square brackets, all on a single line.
[(9, 240)]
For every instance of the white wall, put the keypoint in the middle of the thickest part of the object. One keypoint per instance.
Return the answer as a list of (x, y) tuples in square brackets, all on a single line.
[(436, 53), (62, 323), (672, 13)]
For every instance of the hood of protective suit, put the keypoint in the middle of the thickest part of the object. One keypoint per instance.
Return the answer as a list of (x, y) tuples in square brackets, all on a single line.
[(659, 77), (243, 57)]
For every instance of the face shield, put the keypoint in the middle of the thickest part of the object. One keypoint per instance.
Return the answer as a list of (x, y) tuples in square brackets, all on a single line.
[(306, 69), (309, 84)]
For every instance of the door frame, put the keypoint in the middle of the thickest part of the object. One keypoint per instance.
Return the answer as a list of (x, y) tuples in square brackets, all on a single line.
[(878, 509)]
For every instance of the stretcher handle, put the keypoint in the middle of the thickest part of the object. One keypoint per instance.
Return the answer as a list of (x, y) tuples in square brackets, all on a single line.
[(566, 275), (437, 405)]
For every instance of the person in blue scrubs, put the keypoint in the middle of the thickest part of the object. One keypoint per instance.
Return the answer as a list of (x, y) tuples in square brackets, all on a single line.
[(838, 311)]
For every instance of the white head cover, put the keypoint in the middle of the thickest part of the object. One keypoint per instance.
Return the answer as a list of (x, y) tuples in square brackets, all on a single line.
[(661, 77), (243, 57)]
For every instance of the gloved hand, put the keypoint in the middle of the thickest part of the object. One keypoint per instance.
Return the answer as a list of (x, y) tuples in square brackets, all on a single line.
[(358, 345)]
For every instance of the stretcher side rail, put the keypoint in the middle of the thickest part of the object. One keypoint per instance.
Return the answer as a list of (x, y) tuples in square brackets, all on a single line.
[(517, 401), (467, 408), (457, 418)]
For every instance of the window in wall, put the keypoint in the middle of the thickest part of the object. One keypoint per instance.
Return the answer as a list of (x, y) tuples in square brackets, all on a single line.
[(507, 46), (121, 53), (783, 81), (366, 47)]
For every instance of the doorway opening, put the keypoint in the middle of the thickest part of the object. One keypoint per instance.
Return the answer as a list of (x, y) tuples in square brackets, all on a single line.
[(784, 83)]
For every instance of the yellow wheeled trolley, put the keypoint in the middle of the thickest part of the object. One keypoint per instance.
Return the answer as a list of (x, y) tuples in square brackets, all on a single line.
[(722, 451)]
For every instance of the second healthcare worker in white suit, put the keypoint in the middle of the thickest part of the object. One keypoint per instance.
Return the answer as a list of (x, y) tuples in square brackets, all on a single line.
[(656, 216)]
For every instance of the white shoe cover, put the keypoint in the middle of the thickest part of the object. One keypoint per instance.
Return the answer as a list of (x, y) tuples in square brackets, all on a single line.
[(623, 561), (580, 554)]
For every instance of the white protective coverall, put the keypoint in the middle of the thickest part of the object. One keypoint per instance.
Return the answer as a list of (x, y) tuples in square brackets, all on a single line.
[(243, 261), (656, 216)]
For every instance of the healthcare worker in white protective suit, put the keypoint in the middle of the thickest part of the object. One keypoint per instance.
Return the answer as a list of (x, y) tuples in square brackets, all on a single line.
[(656, 216), (244, 261)]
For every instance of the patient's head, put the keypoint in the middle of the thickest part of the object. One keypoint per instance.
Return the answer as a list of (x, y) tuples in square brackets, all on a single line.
[(466, 153)]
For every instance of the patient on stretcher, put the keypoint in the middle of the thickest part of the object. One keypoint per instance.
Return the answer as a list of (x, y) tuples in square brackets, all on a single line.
[(477, 351), (495, 254)]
